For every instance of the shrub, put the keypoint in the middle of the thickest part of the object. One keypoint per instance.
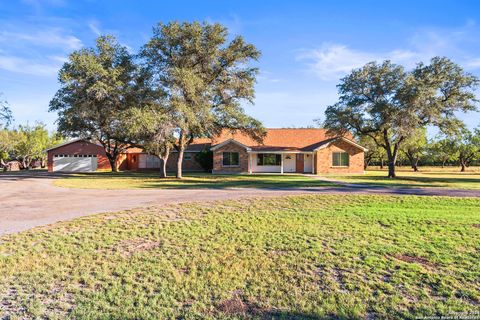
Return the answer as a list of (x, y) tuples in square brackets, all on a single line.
[(205, 159)]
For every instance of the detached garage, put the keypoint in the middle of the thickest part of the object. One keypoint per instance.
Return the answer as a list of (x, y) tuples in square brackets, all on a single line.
[(75, 163), (78, 155)]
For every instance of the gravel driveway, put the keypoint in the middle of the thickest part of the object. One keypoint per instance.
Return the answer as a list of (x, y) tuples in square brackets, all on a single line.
[(28, 200)]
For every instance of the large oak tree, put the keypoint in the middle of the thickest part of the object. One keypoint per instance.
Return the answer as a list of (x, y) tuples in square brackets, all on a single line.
[(388, 104), (97, 85), (204, 78)]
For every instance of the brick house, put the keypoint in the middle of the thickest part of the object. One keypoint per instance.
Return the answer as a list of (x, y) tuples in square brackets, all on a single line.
[(83, 155), (282, 151), (287, 151), (78, 155)]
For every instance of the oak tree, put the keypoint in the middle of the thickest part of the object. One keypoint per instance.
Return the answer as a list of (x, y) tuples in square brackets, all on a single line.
[(388, 104), (96, 87), (205, 78)]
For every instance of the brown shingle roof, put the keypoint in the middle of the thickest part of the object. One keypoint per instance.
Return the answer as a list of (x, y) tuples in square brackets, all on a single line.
[(301, 139)]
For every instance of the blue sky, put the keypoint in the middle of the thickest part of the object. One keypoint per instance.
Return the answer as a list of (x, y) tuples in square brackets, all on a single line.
[(306, 45)]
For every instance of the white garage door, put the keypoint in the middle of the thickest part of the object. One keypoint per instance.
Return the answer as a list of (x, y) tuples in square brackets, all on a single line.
[(74, 163)]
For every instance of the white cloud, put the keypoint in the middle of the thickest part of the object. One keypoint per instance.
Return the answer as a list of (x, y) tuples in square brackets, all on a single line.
[(35, 51), (331, 61), (21, 65), (474, 63), (41, 38), (93, 26)]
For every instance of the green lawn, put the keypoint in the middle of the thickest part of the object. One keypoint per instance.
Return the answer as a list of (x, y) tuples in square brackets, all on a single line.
[(140, 180), (427, 177), (299, 257)]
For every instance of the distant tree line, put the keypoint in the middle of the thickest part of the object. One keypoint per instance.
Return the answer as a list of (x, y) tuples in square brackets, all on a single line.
[(188, 81), (26, 146), (460, 149)]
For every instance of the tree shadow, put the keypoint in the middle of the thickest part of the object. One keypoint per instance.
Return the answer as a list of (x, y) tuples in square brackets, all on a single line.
[(201, 180), (29, 174)]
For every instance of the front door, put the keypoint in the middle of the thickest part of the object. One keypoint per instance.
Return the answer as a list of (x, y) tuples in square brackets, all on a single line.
[(307, 163), (299, 166), (289, 163)]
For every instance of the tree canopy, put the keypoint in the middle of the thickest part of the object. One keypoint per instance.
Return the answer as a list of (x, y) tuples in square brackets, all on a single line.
[(388, 104), (96, 87), (27, 144), (204, 79), (466, 146), (415, 147)]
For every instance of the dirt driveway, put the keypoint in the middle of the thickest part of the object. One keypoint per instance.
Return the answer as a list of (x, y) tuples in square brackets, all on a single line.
[(28, 200)]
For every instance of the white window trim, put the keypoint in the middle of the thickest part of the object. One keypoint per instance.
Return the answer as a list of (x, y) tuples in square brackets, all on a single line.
[(332, 166)]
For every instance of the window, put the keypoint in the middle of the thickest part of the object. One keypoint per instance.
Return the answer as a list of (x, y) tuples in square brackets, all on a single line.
[(187, 156), (269, 159), (230, 159), (340, 159)]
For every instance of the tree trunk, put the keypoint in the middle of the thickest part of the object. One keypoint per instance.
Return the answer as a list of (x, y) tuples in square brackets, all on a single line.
[(182, 142), (181, 150), (392, 159), (381, 163), (163, 169), (415, 166), (164, 158), (391, 169), (113, 162), (462, 163), (25, 163), (366, 162)]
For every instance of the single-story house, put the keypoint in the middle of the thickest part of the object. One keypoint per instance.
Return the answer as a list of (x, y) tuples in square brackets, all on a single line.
[(281, 151), (300, 150), (84, 155)]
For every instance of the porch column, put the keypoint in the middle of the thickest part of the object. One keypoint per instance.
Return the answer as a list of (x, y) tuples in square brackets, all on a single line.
[(281, 163), (313, 163), (249, 163)]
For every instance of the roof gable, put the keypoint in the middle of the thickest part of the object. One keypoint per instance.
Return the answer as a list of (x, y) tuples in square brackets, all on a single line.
[(68, 142), (229, 141)]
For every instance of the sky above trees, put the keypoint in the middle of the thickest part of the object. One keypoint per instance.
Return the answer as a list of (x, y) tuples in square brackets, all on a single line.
[(306, 46)]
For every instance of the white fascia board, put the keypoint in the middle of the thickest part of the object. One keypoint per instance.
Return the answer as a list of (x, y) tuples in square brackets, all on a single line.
[(227, 142)]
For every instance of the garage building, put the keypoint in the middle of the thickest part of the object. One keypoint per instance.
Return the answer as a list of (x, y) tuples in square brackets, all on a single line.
[(78, 155)]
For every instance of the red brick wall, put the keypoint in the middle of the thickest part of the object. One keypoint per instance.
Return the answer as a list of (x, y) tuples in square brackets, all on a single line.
[(218, 159), (80, 147), (187, 165), (323, 159)]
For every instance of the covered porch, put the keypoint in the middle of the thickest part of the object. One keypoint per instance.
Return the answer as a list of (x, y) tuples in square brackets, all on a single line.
[(271, 161)]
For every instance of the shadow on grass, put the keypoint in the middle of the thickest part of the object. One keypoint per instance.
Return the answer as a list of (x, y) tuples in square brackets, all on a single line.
[(416, 181), (151, 180), (28, 174)]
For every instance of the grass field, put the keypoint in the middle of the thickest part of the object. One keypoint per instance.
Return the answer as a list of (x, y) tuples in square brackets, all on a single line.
[(141, 180), (426, 177), (299, 257)]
